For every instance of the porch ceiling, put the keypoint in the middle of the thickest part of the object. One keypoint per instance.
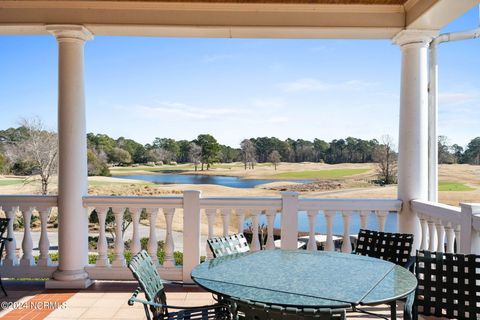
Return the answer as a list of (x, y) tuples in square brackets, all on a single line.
[(233, 18)]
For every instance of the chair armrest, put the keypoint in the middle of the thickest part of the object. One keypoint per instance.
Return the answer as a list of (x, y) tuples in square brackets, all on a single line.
[(134, 299)]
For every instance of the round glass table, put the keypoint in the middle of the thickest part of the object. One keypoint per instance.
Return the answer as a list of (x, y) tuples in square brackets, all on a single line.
[(303, 278)]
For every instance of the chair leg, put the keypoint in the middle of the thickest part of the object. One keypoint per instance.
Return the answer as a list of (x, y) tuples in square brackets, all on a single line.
[(3, 289), (393, 310)]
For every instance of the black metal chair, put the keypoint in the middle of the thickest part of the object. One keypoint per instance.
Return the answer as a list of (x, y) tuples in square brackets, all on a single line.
[(227, 245), (243, 309), (155, 302), (393, 247), (448, 285), (3, 227)]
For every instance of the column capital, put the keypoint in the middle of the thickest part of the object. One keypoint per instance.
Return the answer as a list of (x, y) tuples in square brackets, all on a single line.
[(69, 32), (413, 36)]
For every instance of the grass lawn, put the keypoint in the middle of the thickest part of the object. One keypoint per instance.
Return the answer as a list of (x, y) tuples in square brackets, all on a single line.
[(10, 182), (453, 186), (320, 174)]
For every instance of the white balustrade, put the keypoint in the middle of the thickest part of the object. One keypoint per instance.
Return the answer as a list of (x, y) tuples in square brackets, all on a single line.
[(210, 213), (102, 244), (424, 226), (152, 246), (312, 218), (136, 245), (44, 243), (11, 246), (255, 245), (27, 243), (225, 220), (329, 215), (346, 245), (450, 234), (241, 220), (381, 219), (440, 237), (118, 256), (432, 235), (270, 213), (169, 261), (364, 215)]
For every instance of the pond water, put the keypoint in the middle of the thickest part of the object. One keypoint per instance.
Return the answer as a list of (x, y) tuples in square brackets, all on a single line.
[(174, 178), (321, 227)]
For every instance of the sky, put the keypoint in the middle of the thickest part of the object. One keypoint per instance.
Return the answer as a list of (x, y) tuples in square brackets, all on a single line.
[(142, 88)]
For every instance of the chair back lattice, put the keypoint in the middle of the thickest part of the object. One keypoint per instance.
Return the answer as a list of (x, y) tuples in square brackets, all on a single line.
[(448, 285), (248, 310), (227, 245), (149, 280), (393, 247)]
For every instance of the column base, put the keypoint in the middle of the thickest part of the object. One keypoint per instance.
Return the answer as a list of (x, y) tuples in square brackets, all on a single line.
[(69, 279), (75, 284)]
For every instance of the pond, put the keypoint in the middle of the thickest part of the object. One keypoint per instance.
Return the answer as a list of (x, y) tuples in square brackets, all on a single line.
[(175, 178)]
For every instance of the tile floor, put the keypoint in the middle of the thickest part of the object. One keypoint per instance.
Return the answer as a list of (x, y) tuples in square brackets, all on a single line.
[(103, 300)]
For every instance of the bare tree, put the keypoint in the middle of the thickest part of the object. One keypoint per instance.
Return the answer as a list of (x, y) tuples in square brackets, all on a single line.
[(40, 148), (386, 159), (195, 154), (249, 153), (274, 158)]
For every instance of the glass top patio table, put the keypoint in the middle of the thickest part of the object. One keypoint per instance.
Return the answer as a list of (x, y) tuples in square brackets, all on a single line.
[(305, 278)]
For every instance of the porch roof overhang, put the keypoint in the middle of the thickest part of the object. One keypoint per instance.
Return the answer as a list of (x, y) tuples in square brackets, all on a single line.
[(365, 19)]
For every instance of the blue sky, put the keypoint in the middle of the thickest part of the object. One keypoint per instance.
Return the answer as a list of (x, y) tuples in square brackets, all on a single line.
[(142, 88)]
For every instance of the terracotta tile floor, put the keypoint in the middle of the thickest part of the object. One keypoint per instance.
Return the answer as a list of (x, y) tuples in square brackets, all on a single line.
[(104, 300)]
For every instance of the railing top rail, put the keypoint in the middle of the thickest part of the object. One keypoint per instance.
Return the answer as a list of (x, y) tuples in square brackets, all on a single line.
[(133, 201), (437, 210), (27, 201), (350, 204), (241, 202)]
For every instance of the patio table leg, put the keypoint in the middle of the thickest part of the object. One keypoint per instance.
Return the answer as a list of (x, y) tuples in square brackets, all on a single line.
[(393, 310)]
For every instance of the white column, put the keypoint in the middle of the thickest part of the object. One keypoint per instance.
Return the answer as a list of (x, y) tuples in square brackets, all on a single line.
[(191, 233), (72, 172), (289, 220), (413, 133)]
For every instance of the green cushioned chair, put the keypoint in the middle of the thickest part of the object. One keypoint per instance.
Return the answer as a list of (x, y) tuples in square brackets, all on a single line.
[(243, 309), (227, 245), (155, 302)]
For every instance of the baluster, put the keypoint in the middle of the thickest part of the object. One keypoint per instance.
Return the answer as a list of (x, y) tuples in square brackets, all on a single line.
[(424, 226), (152, 246), (11, 258), (118, 257), (450, 238), (270, 220), (27, 242), (329, 246), (432, 244), (255, 245), (226, 220), (458, 229), (102, 244), (44, 243), (312, 242), (346, 246), (210, 213), (241, 220), (136, 245), (440, 237), (169, 261), (364, 214), (381, 219)]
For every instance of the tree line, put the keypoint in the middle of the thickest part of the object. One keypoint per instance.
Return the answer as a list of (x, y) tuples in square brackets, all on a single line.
[(30, 149)]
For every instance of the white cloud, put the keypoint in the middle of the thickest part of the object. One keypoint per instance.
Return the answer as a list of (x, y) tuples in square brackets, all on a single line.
[(312, 84), (268, 103)]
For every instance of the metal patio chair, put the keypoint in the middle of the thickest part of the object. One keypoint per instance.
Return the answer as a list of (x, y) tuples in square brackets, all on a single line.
[(393, 247), (3, 227), (448, 285), (155, 302), (247, 310), (222, 246)]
